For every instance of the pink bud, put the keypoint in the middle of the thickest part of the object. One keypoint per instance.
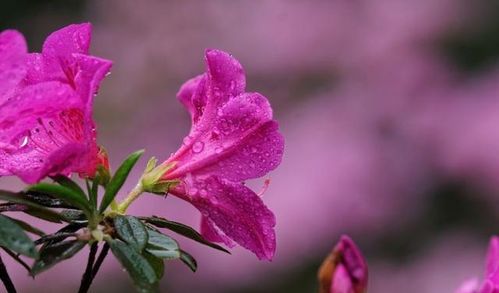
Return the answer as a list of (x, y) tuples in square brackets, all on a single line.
[(344, 270)]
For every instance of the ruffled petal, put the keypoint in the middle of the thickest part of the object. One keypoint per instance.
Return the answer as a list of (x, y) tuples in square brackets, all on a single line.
[(42, 127), (13, 54), (235, 211), (211, 233), (243, 143), (226, 76), (71, 39), (192, 95), (91, 71)]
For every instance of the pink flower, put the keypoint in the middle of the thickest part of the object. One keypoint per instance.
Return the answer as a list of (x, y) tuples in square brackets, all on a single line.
[(233, 138), (491, 282), (46, 104), (344, 270)]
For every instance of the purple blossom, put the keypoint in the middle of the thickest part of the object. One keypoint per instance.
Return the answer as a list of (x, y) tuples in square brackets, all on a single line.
[(491, 282), (344, 270), (233, 138), (46, 104)]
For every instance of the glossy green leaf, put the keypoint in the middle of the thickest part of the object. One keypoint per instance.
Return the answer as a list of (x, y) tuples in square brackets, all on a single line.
[(183, 230), (157, 264), (13, 237), (138, 267), (162, 246), (189, 260), (119, 179), (48, 216), (55, 253), (34, 209), (74, 216), (68, 183), (132, 231), (65, 194)]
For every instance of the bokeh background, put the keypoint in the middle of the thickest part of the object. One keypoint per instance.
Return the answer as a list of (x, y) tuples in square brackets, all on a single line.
[(390, 110)]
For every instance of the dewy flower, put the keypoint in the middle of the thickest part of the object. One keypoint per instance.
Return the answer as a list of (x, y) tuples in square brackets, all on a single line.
[(491, 282), (344, 270), (233, 138), (46, 105)]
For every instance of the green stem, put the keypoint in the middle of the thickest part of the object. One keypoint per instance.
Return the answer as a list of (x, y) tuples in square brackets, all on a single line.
[(132, 196)]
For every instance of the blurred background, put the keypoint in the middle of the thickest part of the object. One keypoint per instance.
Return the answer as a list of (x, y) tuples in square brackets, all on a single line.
[(390, 111)]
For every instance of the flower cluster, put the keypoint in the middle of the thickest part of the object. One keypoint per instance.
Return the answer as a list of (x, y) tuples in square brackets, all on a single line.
[(47, 130), (46, 105)]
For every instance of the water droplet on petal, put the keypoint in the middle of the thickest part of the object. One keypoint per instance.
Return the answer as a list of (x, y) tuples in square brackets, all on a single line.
[(197, 147), (187, 140), (24, 142), (219, 149), (203, 193)]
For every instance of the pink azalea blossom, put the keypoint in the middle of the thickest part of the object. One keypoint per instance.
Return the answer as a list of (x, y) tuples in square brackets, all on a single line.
[(491, 282), (46, 104), (233, 138), (344, 270)]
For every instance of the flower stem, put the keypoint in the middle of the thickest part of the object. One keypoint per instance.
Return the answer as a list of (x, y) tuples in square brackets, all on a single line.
[(132, 196), (100, 260), (4, 276), (86, 280)]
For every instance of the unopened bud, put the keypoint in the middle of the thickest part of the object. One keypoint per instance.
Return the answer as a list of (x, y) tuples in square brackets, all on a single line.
[(344, 270)]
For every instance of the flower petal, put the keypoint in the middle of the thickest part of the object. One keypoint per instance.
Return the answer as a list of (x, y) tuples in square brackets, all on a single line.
[(244, 142), (192, 95), (92, 71), (225, 75), (43, 122), (492, 269), (211, 233), (13, 53), (71, 39), (236, 211), (341, 282)]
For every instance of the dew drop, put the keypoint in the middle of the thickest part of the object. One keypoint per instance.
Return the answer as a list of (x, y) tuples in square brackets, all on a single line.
[(193, 191), (187, 140), (203, 193), (24, 142), (219, 149), (197, 147)]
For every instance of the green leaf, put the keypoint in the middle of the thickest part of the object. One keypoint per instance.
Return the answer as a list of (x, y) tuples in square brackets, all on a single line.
[(162, 246), (74, 216), (68, 183), (35, 209), (183, 230), (138, 267), (65, 194), (27, 227), (119, 179), (132, 231), (188, 260), (156, 263), (55, 253), (49, 216), (14, 238)]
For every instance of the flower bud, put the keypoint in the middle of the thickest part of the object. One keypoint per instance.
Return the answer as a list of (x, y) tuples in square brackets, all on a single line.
[(344, 270), (152, 179), (103, 173)]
